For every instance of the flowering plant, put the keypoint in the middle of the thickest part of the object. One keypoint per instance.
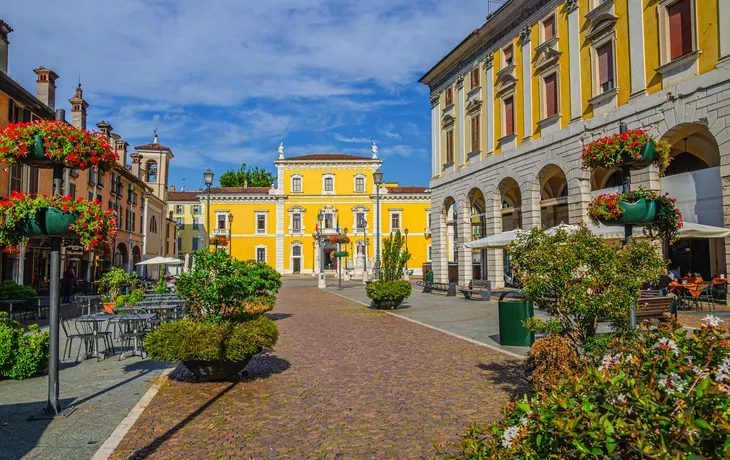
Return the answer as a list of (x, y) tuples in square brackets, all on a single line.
[(613, 150), (339, 239), (668, 221), (93, 225), (664, 393), (62, 143)]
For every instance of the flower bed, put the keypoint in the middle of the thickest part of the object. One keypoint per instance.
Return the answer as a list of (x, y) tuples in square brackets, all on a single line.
[(658, 213), (40, 215), (43, 143), (339, 239), (633, 147)]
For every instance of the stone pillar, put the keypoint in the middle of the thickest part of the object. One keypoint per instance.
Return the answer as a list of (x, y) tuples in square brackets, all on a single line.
[(531, 213), (526, 83), (439, 249), (435, 136), (279, 235), (495, 261), (579, 196), (461, 124), (576, 108), (636, 48), (723, 9), (489, 102), (724, 147), (463, 235)]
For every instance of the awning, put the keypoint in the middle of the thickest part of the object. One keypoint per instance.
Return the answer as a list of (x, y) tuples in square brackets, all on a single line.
[(688, 230), (159, 260)]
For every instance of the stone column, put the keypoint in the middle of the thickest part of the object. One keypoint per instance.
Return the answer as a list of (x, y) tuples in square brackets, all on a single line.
[(531, 216), (435, 136), (489, 102), (636, 48), (579, 196), (574, 47), (495, 261), (439, 250), (526, 82), (461, 124), (280, 235), (463, 232), (723, 9)]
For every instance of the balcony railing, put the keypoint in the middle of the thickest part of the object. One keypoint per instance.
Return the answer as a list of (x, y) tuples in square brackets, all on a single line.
[(220, 232)]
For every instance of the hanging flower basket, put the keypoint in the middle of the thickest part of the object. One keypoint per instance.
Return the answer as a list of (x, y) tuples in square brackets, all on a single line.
[(45, 143), (31, 216), (633, 148), (657, 213), (340, 254)]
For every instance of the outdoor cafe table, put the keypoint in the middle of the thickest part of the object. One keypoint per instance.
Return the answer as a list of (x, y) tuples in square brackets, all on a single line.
[(10, 303), (87, 299), (96, 320)]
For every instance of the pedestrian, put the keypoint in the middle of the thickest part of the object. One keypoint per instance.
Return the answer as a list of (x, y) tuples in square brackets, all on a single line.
[(68, 280)]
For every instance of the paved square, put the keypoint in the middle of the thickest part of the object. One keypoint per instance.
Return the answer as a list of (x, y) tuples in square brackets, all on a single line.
[(343, 381)]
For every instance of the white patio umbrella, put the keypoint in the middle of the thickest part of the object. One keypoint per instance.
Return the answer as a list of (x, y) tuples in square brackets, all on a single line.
[(159, 260), (500, 240)]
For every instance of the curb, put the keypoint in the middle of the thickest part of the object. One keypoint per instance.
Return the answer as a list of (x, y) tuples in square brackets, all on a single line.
[(107, 449), (475, 342)]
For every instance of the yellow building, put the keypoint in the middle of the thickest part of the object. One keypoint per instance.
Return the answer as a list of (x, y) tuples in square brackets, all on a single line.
[(276, 225), (515, 102)]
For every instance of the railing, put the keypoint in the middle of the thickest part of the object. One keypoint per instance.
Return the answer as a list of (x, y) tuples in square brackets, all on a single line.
[(220, 232)]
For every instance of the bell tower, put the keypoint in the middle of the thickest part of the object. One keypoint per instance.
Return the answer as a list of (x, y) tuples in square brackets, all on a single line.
[(153, 161)]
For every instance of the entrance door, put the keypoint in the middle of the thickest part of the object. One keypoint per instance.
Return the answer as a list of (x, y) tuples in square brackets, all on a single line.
[(691, 255), (296, 259)]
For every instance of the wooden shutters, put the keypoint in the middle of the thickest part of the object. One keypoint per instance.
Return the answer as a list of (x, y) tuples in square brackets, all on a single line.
[(680, 28), (475, 133), (509, 116), (605, 67), (551, 95), (449, 96), (450, 146), (548, 28), (475, 78), (507, 55)]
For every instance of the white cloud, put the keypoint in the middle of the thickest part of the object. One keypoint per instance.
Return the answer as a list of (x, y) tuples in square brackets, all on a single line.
[(389, 133), (403, 150), (352, 140)]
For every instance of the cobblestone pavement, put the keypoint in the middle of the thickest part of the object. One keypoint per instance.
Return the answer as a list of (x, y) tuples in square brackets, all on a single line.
[(343, 382)]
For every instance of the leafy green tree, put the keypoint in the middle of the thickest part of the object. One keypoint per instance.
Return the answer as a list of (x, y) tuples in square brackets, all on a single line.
[(254, 176), (394, 258)]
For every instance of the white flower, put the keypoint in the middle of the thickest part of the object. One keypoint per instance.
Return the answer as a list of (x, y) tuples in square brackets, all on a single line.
[(524, 421), (509, 435), (677, 382), (712, 321), (690, 358), (697, 370), (609, 360), (621, 399), (669, 343), (723, 371)]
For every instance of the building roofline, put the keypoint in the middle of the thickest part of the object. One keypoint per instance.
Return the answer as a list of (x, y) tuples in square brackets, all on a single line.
[(16, 91)]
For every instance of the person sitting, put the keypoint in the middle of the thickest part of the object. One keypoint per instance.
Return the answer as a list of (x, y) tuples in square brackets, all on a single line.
[(674, 274)]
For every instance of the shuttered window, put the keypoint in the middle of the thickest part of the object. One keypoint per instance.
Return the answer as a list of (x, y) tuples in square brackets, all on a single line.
[(680, 28), (475, 78), (507, 55), (605, 67), (551, 95), (450, 146), (475, 133), (509, 116), (449, 97), (548, 28)]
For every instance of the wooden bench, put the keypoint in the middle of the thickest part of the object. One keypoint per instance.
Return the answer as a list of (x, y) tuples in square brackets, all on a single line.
[(429, 287), (479, 287), (654, 308)]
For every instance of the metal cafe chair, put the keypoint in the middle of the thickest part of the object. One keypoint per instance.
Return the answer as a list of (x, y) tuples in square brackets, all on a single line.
[(132, 331), (71, 336), (705, 295)]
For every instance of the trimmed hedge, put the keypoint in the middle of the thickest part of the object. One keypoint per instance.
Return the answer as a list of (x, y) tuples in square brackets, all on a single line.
[(21, 355), (388, 290)]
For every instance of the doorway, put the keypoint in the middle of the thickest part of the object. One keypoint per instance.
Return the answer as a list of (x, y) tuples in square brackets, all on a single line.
[(296, 254), (691, 255)]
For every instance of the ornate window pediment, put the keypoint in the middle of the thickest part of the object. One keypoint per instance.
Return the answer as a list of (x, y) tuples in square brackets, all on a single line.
[(547, 53), (602, 19), (506, 83), (447, 121), (473, 105)]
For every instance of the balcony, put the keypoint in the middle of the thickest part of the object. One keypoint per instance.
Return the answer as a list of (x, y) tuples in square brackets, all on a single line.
[(220, 232)]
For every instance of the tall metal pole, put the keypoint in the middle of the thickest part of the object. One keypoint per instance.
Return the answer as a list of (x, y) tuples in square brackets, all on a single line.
[(339, 262), (628, 228), (365, 246), (377, 231), (207, 224)]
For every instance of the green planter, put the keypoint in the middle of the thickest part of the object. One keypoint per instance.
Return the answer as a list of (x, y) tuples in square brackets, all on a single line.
[(648, 155), (511, 315), (340, 253), (36, 157), (638, 213), (48, 222)]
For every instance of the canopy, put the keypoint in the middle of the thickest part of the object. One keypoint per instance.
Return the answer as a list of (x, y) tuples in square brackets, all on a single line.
[(159, 260), (688, 230)]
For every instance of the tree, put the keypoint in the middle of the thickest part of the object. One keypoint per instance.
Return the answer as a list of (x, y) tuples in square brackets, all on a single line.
[(253, 177), (394, 258)]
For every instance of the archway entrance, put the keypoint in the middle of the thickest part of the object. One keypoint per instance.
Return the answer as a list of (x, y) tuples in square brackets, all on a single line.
[(121, 257), (296, 258), (553, 196)]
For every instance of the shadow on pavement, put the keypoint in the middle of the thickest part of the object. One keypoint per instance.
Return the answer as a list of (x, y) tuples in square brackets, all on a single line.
[(508, 376), (277, 316), (18, 436)]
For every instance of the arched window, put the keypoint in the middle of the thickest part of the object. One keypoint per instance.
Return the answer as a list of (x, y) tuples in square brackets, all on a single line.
[(153, 225), (151, 171)]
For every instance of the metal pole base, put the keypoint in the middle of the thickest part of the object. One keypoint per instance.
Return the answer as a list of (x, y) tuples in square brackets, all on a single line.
[(50, 414), (322, 281), (632, 316)]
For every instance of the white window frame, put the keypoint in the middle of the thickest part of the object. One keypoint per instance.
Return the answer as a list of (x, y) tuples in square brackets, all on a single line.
[(179, 209), (326, 176), (195, 209), (503, 115), (541, 26), (301, 183), (225, 217), (428, 253), (391, 213), (359, 210), (364, 183), (501, 55), (266, 253), (296, 210), (300, 245), (595, 71), (683, 67), (265, 215)]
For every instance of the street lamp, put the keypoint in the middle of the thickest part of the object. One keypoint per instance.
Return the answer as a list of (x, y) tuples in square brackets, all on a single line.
[(406, 232), (339, 262), (314, 257), (208, 178), (378, 179), (230, 233)]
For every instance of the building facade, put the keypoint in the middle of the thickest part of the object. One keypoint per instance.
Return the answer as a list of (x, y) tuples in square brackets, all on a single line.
[(513, 105), (321, 191)]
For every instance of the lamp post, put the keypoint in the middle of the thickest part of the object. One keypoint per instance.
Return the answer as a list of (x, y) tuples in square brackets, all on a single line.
[(365, 247), (339, 262), (406, 232), (208, 178), (230, 233), (378, 179), (314, 257)]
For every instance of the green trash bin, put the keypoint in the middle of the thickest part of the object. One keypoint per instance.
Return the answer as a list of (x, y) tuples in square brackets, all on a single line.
[(429, 276), (512, 311)]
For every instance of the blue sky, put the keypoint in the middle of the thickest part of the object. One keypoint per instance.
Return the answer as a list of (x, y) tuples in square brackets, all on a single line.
[(225, 81)]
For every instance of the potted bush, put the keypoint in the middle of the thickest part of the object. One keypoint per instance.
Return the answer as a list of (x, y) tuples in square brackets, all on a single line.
[(43, 143), (225, 326), (114, 279), (658, 213), (635, 148), (26, 216), (131, 299), (390, 290)]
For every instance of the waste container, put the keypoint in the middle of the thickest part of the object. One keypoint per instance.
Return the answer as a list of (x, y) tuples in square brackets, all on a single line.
[(513, 309), (429, 276)]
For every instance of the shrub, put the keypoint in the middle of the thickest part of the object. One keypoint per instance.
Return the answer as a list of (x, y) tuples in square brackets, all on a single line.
[(588, 277), (259, 305), (394, 258), (133, 298), (11, 290), (388, 290), (197, 340), (21, 355), (115, 279), (161, 287), (219, 286), (550, 360), (663, 394)]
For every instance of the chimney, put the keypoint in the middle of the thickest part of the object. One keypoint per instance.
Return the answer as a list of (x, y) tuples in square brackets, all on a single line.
[(245, 183), (5, 29), (105, 129), (136, 164), (46, 86), (121, 149), (78, 109), (172, 188)]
